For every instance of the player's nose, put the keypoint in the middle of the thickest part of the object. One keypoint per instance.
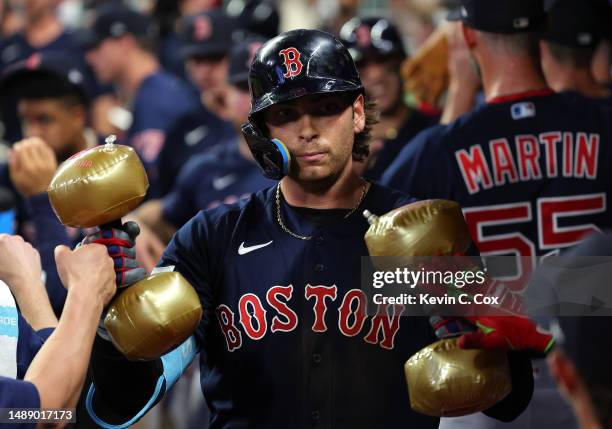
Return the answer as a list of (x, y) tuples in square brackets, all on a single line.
[(306, 128)]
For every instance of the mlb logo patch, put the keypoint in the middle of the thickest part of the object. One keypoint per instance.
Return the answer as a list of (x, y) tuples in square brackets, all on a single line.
[(523, 110)]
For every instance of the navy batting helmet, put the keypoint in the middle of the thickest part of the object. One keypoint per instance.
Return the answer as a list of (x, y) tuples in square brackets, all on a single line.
[(289, 66)]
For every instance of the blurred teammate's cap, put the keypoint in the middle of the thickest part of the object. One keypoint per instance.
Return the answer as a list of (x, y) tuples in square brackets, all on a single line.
[(500, 16), (573, 23), (372, 38), (113, 20), (254, 18), (241, 57), (208, 34), (64, 73)]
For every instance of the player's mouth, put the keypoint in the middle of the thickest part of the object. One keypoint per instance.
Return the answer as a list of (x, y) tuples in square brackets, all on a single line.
[(311, 156)]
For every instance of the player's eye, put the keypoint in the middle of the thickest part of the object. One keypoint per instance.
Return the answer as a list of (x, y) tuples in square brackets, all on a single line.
[(329, 108), (281, 115)]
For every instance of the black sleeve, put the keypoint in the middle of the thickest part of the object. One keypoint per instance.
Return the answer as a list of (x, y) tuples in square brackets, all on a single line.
[(123, 387), (519, 397)]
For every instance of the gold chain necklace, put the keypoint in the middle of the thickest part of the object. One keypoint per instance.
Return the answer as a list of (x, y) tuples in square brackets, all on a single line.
[(279, 218)]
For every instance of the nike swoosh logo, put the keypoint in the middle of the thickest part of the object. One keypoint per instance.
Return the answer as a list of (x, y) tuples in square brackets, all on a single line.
[(194, 136), (220, 183), (243, 250)]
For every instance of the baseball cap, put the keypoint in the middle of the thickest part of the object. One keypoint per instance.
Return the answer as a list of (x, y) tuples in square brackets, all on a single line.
[(254, 18), (207, 34), (66, 74), (241, 57), (114, 20), (572, 23), (500, 16)]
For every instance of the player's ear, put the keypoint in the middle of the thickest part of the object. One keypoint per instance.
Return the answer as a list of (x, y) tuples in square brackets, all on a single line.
[(469, 35), (359, 114)]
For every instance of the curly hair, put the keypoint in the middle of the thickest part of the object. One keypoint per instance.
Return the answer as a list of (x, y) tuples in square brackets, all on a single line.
[(361, 145)]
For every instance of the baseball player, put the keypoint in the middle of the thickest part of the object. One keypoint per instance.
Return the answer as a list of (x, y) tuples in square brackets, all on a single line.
[(118, 50), (377, 49), (206, 40), (529, 167), (282, 340), (53, 94), (568, 46)]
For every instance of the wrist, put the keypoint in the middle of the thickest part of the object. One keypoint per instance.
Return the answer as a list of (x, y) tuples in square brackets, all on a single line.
[(81, 294)]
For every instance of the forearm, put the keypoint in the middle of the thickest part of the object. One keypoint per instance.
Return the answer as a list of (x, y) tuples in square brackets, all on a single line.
[(59, 368), (34, 305)]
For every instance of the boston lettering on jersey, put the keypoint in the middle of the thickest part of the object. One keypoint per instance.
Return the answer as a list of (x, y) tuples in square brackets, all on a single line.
[(546, 155), (253, 318)]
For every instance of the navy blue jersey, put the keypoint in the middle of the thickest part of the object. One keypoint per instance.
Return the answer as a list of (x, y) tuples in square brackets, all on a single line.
[(284, 342), (414, 123), (18, 394), (161, 100), (531, 173), (221, 175), (192, 134), (29, 343)]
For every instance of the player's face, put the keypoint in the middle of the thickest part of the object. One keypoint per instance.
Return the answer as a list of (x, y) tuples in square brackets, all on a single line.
[(319, 131), (382, 82), (238, 105), (105, 59), (37, 8), (53, 121), (207, 73), (192, 7)]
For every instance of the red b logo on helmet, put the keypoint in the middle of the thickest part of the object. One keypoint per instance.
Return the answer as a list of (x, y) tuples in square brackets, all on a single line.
[(291, 59)]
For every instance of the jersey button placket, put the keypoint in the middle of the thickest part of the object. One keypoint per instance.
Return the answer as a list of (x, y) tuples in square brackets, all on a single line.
[(317, 358), (319, 268), (315, 417)]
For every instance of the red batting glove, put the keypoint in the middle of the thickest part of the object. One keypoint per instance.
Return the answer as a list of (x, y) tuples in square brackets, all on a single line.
[(506, 333)]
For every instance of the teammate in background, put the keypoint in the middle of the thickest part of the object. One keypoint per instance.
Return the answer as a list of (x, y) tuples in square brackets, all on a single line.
[(602, 58), (43, 362), (530, 168), (377, 49), (119, 50), (43, 32), (224, 174), (53, 94), (206, 41), (580, 365), (567, 48), (281, 342)]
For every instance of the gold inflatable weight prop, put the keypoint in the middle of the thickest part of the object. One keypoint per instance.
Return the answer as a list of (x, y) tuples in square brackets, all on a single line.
[(97, 187), (442, 379)]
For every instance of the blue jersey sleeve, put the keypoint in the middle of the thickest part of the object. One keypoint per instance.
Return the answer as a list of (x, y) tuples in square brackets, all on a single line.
[(29, 343), (413, 170), (188, 253), (49, 234), (18, 394)]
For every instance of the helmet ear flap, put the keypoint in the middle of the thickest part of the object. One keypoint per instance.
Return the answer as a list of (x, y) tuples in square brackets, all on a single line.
[(271, 155)]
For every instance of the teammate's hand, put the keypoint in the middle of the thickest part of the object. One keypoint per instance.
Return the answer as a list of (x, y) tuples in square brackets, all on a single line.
[(20, 265), (149, 248), (32, 164), (87, 268), (120, 244), (506, 333)]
